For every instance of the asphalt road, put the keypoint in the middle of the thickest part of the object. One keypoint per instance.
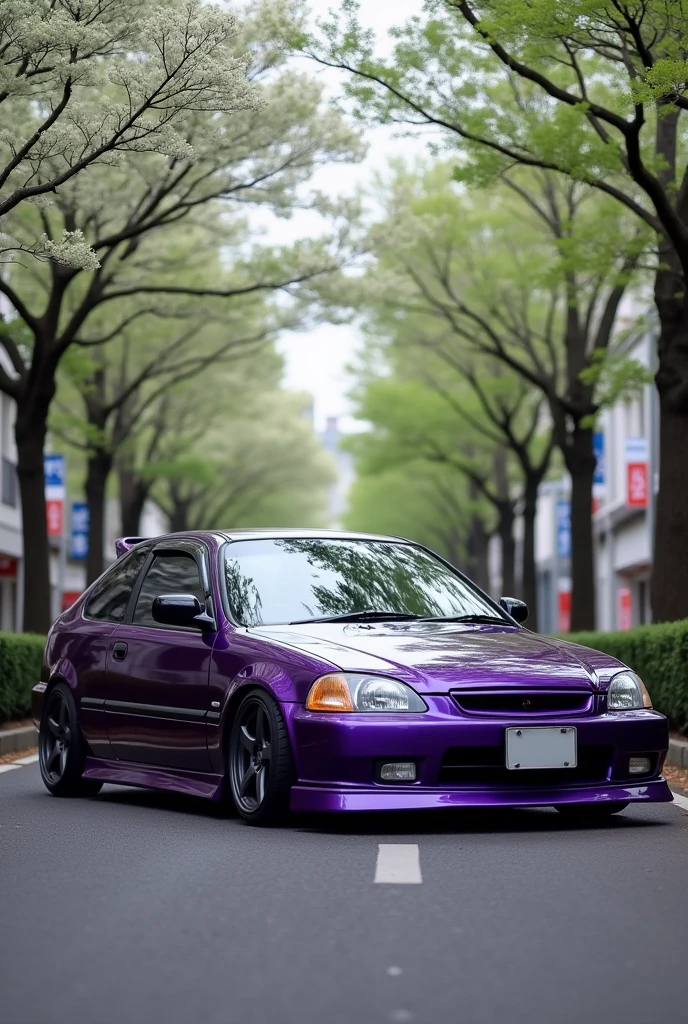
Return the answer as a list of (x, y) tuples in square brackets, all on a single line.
[(138, 907)]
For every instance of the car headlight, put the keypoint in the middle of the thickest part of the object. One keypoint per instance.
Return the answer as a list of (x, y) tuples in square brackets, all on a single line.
[(352, 691), (627, 692)]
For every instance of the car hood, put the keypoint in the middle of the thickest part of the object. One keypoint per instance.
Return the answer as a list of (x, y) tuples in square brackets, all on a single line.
[(438, 657)]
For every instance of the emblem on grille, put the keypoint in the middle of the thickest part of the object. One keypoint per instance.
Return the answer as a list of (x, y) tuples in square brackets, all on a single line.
[(526, 704)]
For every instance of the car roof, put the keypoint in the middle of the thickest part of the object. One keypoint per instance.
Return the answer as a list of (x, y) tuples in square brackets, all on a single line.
[(267, 533), (247, 534)]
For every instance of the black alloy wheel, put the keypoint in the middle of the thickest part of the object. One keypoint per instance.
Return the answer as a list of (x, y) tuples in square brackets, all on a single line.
[(61, 747), (260, 762)]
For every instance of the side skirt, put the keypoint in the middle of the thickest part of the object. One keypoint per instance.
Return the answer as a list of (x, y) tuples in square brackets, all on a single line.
[(146, 776)]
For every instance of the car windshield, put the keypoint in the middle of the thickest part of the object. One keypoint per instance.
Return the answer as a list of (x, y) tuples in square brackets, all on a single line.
[(272, 582)]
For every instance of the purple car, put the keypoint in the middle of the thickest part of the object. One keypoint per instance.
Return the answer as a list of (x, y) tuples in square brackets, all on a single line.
[(319, 671)]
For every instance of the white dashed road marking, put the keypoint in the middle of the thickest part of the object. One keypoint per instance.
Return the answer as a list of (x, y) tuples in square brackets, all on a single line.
[(398, 864), (8, 767)]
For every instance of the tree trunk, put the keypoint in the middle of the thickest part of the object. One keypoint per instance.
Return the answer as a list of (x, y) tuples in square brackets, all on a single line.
[(179, 515), (505, 531), (529, 569), (98, 471), (30, 433), (670, 569), (580, 462), (477, 567), (133, 493)]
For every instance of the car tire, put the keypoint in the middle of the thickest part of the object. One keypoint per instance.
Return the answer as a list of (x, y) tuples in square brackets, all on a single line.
[(260, 763), (592, 812), (61, 747)]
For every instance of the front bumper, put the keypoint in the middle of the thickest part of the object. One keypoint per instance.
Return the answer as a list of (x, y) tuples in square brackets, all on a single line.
[(337, 757)]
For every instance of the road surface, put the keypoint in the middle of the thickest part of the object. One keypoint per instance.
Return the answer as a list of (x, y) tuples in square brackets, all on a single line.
[(137, 907)]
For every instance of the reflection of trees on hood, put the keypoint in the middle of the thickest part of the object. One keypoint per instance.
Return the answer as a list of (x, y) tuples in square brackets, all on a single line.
[(242, 593), (382, 577)]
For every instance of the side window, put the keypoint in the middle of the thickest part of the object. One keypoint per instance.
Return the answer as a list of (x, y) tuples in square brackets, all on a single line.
[(108, 601), (168, 574)]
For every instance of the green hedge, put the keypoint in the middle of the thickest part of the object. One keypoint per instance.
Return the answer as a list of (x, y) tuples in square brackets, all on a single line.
[(20, 670), (659, 654)]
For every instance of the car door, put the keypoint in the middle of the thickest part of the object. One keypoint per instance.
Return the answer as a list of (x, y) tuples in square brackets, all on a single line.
[(85, 644), (157, 675)]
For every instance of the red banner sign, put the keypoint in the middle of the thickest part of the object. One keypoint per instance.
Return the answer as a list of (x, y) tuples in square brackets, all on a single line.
[(564, 611), (8, 566), (636, 484), (54, 510), (625, 608), (69, 597)]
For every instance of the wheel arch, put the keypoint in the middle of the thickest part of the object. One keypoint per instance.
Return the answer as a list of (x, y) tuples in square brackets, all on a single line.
[(231, 708)]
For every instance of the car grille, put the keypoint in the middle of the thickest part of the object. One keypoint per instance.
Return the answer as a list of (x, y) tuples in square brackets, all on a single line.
[(486, 766), (523, 702)]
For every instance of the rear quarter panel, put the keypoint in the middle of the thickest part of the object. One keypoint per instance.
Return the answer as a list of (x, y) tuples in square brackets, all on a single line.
[(75, 653)]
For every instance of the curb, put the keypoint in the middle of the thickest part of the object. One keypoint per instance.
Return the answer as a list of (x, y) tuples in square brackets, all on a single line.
[(678, 754), (18, 739)]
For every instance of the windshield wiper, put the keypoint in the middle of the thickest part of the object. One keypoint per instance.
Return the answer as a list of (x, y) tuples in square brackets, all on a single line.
[(486, 619), (364, 616)]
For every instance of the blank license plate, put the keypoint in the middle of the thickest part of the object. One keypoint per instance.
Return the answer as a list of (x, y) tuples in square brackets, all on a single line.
[(541, 748)]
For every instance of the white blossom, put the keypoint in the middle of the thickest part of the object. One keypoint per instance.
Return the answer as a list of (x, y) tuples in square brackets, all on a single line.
[(72, 250), (88, 80)]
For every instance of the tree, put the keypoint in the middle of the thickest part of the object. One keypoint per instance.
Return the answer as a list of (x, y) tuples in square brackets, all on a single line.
[(600, 93), (129, 212), (528, 283), (118, 382), (85, 81), (246, 468)]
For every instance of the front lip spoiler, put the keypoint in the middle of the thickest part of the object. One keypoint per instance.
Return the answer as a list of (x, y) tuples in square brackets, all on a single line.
[(315, 798), (37, 695)]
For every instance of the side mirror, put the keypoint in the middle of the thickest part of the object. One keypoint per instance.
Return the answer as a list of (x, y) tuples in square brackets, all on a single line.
[(180, 610), (516, 609)]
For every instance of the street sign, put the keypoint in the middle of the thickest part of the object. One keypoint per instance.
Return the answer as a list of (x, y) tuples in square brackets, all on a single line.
[(69, 597), (625, 608), (8, 566), (598, 448), (564, 611), (54, 514), (80, 519), (636, 472), (563, 528), (54, 473)]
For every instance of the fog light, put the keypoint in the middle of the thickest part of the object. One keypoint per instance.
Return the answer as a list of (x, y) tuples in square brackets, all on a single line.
[(638, 765), (398, 771)]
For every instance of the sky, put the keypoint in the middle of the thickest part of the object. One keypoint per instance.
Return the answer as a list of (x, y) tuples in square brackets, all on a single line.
[(317, 360)]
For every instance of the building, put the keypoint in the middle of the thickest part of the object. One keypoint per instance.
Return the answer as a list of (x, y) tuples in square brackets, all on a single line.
[(331, 439)]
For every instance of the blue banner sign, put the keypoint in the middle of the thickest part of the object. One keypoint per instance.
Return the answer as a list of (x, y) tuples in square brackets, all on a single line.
[(79, 530), (563, 529), (598, 447), (54, 471)]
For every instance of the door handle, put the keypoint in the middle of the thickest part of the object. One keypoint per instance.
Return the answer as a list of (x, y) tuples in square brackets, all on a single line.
[(119, 651)]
